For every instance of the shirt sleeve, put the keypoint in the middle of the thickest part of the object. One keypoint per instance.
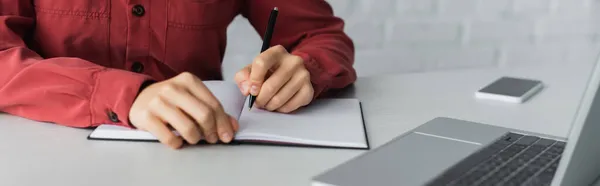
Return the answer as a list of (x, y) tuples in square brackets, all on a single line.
[(62, 90), (309, 29)]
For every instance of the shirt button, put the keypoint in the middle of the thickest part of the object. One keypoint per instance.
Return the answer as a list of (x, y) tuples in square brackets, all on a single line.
[(137, 67), (113, 116), (138, 10)]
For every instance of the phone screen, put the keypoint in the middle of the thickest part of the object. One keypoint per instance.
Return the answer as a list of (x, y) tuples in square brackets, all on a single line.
[(509, 86)]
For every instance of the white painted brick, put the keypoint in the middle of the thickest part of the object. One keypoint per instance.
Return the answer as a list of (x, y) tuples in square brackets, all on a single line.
[(423, 58), (242, 38), (566, 28), (399, 36), (387, 61), (444, 57), (501, 31), (413, 31), (493, 9), (234, 62), (576, 48), (342, 8), (525, 8), (416, 7), (528, 54), (574, 40), (366, 35), (375, 9), (457, 8), (575, 51), (468, 58), (571, 7)]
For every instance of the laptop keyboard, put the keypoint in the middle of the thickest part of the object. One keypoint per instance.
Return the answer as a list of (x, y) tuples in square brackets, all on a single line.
[(513, 159)]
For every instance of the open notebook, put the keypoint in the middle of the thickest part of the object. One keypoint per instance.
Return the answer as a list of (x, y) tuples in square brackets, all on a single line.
[(330, 123)]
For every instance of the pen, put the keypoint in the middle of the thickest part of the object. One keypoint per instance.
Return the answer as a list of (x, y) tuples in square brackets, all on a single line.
[(266, 42)]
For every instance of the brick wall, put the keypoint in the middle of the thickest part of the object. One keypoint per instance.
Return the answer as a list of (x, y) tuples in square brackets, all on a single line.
[(402, 36)]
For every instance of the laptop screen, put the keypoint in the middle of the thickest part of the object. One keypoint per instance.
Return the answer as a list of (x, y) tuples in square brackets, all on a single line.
[(580, 162)]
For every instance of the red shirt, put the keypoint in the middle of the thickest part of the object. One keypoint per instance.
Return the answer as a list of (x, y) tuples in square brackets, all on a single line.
[(81, 63)]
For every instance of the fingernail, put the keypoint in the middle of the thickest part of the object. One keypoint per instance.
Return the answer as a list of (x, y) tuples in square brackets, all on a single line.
[(254, 90), (245, 86), (226, 137)]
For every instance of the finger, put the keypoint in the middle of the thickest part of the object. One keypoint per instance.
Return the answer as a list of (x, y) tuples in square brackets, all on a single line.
[(280, 77), (262, 64), (241, 78), (234, 123), (301, 98), (289, 90), (198, 89), (224, 128), (159, 129), (177, 119), (194, 107), (195, 86)]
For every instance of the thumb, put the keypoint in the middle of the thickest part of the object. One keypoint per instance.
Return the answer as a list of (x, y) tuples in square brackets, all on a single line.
[(242, 78)]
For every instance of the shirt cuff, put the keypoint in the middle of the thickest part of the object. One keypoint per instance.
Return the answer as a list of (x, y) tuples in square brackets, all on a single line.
[(113, 96)]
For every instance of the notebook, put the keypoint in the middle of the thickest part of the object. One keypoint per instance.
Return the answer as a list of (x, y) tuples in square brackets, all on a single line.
[(326, 123)]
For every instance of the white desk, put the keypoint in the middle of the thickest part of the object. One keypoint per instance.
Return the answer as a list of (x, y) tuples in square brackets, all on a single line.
[(34, 153)]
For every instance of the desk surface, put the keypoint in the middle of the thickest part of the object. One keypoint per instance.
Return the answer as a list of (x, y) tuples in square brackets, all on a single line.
[(33, 153)]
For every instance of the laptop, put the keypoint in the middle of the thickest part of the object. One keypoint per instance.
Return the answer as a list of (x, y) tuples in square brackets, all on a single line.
[(448, 151)]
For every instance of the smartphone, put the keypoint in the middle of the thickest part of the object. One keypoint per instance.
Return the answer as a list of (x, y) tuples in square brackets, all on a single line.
[(510, 89)]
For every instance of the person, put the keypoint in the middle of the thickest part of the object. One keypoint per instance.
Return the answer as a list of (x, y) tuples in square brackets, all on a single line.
[(140, 64)]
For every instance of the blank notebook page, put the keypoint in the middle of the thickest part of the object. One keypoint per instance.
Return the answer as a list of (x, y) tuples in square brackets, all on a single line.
[(328, 121), (228, 94)]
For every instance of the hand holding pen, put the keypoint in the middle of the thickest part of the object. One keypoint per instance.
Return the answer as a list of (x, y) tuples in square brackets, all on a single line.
[(276, 80)]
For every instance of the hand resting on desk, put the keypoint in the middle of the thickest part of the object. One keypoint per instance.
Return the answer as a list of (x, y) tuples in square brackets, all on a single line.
[(187, 105)]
